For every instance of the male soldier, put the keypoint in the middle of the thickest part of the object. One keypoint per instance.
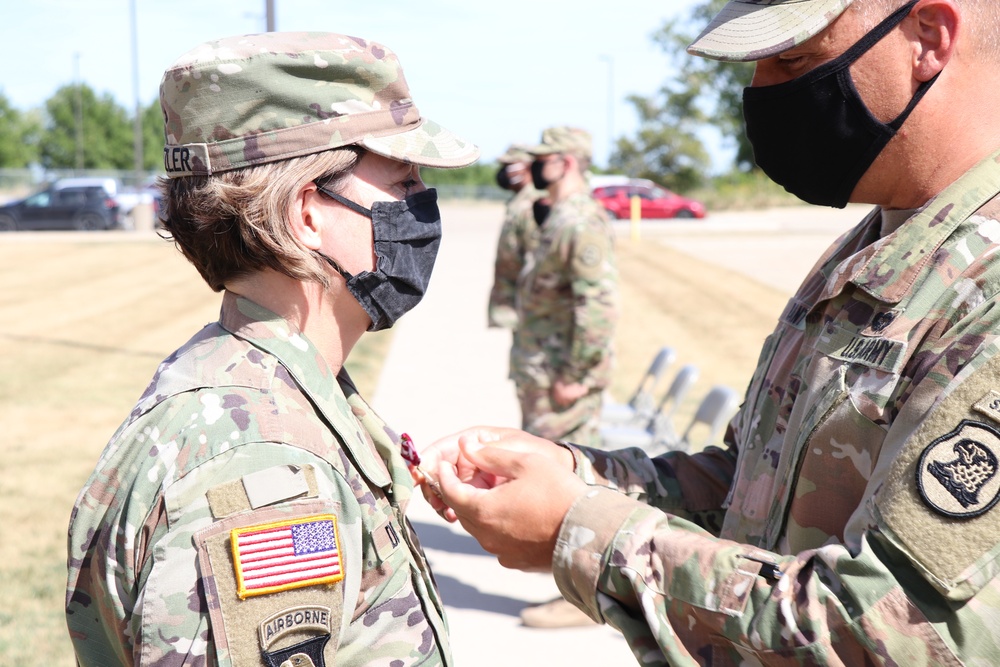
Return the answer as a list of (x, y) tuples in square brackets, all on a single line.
[(853, 517), (567, 299), (517, 235), (567, 310), (252, 508)]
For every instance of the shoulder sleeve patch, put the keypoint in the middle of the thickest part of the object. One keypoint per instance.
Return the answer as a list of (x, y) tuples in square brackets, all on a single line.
[(273, 582), (940, 496), (590, 251), (280, 556)]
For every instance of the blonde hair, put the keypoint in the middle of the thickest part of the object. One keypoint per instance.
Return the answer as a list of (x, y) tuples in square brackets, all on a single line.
[(236, 222)]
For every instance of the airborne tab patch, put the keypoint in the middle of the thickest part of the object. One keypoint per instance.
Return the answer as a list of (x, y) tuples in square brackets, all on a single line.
[(957, 473), (280, 556)]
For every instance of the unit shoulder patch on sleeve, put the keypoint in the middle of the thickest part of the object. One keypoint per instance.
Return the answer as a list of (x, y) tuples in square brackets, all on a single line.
[(939, 498), (273, 581), (589, 253)]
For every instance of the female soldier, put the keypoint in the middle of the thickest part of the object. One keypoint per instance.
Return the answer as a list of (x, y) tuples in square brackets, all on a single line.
[(251, 509)]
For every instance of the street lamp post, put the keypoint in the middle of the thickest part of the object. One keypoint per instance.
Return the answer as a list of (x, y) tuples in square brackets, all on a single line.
[(137, 124), (611, 104), (78, 110)]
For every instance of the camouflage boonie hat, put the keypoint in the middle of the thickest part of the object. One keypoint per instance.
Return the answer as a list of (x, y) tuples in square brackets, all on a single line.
[(252, 99), (516, 153), (748, 30), (564, 139)]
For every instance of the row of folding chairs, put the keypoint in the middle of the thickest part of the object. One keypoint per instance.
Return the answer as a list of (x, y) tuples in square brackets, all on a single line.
[(647, 423)]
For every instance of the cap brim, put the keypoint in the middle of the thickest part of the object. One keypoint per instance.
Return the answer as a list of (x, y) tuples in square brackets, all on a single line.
[(427, 145), (747, 30)]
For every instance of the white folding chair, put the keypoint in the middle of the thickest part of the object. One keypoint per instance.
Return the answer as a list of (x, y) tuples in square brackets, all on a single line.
[(658, 432), (714, 412), (662, 423), (640, 406)]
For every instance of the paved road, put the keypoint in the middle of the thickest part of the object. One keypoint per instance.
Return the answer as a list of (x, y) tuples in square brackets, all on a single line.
[(446, 370)]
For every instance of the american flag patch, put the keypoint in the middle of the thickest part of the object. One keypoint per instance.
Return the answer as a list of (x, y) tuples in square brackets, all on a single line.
[(280, 556)]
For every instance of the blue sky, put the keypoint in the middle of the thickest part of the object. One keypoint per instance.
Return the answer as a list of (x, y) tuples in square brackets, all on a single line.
[(494, 72)]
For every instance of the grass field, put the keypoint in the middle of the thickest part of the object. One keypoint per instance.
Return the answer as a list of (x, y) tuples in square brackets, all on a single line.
[(85, 320)]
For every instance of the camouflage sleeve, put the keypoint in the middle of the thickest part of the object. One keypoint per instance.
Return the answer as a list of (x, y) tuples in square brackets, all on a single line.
[(693, 486), (593, 279), (683, 597), (920, 585), (509, 262), (190, 605)]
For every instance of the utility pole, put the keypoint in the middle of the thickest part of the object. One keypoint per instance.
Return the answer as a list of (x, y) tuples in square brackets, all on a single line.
[(79, 110), (611, 105), (270, 15), (137, 124)]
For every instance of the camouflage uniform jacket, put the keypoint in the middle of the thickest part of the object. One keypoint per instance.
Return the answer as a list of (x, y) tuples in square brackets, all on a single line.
[(851, 520), (517, 239), (243, 430), (568, 299)]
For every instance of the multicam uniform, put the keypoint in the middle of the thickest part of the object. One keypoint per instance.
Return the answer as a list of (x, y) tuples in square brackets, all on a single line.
[(859, 526), (518, 238), (243, 434), (567, 310)]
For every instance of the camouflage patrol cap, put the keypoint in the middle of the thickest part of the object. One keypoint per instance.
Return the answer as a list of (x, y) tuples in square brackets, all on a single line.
[(748, 30), (253, 99), (516, 153), (562, 139)]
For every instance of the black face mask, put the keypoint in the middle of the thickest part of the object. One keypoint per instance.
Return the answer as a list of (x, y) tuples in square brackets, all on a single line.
[(407, 236), (537, 179), (813, 134), (540, 209), (503, 178)]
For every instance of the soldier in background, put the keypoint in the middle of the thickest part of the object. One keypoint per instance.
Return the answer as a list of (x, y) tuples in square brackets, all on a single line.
[(567, 311), (517, 235), (853, 517), (567, 297), (252, 508)]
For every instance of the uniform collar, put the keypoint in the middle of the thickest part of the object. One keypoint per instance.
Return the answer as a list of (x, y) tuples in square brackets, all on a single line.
[(277, 336), (888, 268)]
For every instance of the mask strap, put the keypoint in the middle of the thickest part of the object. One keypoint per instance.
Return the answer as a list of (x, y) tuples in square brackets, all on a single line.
[(336, 267), (921, 90), (357, 208), (877, 33)]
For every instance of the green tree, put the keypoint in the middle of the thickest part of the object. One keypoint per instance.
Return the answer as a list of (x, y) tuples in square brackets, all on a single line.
[(18, 136), (668, 147), (107, 130), (152, 137)]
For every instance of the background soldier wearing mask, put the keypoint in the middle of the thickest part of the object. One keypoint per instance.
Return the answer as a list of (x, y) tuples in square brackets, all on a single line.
[(567, 299), (517, 235), (853, 517), (251, 509)]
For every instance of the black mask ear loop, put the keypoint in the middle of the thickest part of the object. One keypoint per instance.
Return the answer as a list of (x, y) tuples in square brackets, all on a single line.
[(887, 25), (357, 208)]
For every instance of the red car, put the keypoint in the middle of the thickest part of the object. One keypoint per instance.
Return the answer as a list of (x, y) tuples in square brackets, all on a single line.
[(656, 202)]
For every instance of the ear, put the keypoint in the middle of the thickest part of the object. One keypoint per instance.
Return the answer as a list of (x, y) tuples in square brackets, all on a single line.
[(935, 26), (306, 216)]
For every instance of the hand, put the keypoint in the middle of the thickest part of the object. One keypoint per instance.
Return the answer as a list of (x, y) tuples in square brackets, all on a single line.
[(568, 393), (518, 517), (447, 453)]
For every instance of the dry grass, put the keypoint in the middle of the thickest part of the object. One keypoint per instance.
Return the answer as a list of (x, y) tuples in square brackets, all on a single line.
[(714, 318)]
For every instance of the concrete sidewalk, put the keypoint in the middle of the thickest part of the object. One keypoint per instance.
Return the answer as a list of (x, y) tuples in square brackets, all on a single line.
[(447, 371)]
